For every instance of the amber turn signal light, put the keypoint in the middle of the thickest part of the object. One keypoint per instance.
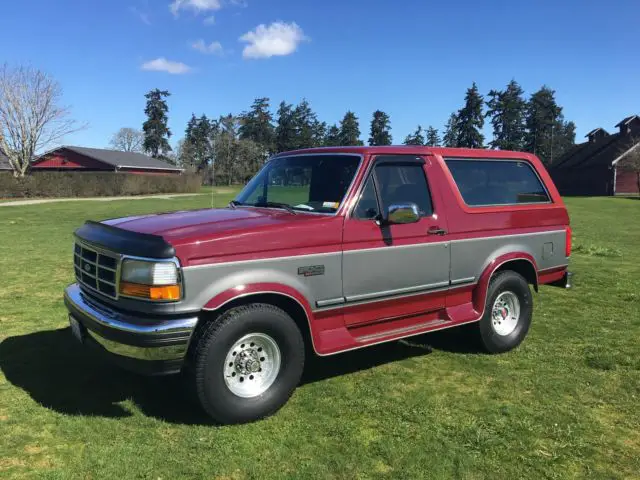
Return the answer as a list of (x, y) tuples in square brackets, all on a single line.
[(165, 292)]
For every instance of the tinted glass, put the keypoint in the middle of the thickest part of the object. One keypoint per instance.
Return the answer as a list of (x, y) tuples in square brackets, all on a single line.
[(314, 183), (483, 182), (367, 207), (404, 184)]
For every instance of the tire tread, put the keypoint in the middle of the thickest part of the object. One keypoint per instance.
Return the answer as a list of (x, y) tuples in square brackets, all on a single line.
[(208, 334)]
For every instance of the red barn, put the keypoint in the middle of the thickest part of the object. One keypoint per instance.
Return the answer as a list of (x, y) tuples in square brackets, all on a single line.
[(600, 166), (99, 160)]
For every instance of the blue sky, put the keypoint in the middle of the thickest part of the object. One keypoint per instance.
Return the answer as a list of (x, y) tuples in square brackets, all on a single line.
[(413, 58)]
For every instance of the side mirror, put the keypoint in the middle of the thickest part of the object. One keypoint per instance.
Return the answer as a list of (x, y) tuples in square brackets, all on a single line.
[(401, 213)]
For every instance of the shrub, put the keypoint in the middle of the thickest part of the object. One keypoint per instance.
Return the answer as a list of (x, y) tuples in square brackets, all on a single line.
[(94, 184)]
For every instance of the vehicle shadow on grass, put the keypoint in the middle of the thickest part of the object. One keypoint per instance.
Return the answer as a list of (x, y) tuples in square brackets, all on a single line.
[(57, 372), (60, 375), (456, 340)]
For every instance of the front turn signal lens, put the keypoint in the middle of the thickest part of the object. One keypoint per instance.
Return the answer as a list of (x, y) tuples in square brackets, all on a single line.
[(150, 292)]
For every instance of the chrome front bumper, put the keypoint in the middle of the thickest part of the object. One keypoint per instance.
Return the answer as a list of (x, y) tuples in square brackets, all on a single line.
[(160, 343)]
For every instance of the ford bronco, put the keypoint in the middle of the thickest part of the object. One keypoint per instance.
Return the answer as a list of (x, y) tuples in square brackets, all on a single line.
[(325, 250)]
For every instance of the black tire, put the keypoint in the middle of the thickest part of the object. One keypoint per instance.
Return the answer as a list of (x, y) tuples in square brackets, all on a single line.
[(214, 342), (491, 340)]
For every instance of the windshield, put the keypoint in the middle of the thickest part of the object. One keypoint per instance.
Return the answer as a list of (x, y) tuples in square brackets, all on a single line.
[(307, 183)]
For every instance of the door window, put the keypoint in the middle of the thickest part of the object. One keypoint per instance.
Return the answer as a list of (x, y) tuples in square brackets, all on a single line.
[(397, 184), (367, 208)]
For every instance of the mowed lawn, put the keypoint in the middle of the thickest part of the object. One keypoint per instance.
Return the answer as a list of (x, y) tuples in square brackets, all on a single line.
[(566, 404)]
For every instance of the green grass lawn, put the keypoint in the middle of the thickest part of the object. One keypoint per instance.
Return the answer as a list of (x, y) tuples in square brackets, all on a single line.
[(566, 404)]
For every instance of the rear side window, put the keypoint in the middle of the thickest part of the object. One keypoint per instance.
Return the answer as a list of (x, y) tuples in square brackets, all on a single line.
[(497, 182)]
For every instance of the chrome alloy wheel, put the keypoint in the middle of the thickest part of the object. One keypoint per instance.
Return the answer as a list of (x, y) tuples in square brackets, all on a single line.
[(505, 313), (252, 365)]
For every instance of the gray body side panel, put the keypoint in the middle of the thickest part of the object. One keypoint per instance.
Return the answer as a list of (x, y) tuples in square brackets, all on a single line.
[(205, 282), (367, 274), (376, 272), (470, 257)]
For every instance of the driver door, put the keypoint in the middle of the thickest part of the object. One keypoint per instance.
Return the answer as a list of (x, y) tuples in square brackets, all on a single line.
[(384, 263)]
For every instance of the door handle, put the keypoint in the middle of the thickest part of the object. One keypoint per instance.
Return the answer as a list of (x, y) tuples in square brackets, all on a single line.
[(436, 231)]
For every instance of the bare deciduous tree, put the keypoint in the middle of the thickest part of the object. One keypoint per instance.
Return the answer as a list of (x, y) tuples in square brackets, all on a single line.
[(31, 116), (127, 140)]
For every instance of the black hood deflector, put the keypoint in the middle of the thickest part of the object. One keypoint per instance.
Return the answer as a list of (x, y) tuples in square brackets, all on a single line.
[(125, 241)]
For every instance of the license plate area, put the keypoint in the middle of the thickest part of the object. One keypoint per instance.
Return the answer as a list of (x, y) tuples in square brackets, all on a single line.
[(77, 329)]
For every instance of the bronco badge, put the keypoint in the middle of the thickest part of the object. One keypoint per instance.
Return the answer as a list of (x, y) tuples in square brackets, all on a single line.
[(311, 270)]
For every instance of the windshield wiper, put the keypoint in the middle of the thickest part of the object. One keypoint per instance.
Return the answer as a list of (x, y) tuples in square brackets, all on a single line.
[(286, 206), (235, 203)]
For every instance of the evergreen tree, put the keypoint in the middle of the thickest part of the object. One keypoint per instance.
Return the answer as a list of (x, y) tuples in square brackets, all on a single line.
[(507, 110), (191, 125), (285, 129), (332, 138), (156, 131), (197, 148), (415, 138), (380, 129), (433, 139), (319, 133), (548, 135), (309, 131), (450, 138), (542, 113), (256, 124), (563, 139), (350, 130), (186, 154), (470, 120)]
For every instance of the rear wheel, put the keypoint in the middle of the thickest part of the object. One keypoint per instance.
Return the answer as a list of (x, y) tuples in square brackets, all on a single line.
[(507, 314), (247, 363)]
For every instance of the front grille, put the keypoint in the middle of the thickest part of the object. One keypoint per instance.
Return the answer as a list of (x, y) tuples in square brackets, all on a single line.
[(96, 269)]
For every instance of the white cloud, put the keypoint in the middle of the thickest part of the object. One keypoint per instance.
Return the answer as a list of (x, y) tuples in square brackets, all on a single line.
[(214, 48), (277, 39), (210, 20), (197, 6), (161, 64)]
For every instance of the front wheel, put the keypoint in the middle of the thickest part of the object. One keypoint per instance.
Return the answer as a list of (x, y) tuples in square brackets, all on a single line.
[(507, 314), (247, 363)]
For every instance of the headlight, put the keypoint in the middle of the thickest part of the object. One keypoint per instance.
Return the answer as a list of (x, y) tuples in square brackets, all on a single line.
[(150, 280)]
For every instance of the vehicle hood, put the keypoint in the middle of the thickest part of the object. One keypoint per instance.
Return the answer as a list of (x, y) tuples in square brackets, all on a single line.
[(183, 224), (199, 236)]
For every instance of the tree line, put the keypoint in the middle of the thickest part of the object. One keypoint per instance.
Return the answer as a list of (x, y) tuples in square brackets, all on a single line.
[(239, 144), (534, 125), (32, 119)]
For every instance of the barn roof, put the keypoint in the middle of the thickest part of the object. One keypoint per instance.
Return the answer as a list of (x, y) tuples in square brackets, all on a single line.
[(117, 158), (592, 154), (592, 132), (626, 120)]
